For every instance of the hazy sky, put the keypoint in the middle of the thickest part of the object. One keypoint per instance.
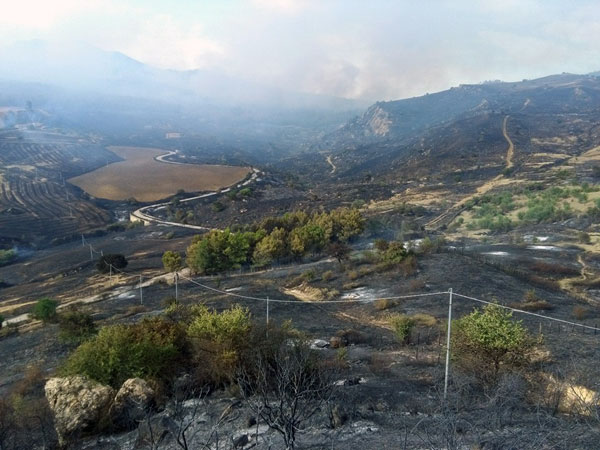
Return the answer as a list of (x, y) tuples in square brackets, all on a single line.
[(370, 49)]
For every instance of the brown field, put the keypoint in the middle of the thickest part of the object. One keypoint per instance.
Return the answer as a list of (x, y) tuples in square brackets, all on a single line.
[(142, 177)]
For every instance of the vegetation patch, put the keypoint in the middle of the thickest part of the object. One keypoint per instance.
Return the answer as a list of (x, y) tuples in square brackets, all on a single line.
[(275, 239), (533, 204)]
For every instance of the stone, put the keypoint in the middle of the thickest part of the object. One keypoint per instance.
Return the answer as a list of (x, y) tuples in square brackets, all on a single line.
[(78, 405), (132, 403), (319, 344)]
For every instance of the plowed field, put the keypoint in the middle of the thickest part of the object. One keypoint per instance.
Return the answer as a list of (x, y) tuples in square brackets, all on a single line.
[(142, 177)]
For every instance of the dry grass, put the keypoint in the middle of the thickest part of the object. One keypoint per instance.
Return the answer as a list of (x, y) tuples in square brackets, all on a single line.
[(580, 312), (381, 304), (424, 320), (537, 305), (142, 177)]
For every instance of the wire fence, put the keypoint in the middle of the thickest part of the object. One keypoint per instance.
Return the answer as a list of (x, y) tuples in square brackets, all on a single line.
[(180, 276)]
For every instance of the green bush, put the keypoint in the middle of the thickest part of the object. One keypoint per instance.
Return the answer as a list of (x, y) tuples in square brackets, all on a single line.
[(402, 326), (151, 349), (45, 310), (75, 327), (7, 256), (489, 341), (1, 320), (218, 339), (172, 261), (217, 206)]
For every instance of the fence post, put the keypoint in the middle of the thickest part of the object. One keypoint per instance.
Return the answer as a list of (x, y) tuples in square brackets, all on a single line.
[(448, 343), (267, 315)]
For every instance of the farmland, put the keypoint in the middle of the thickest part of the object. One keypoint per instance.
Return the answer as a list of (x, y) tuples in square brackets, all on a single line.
[(35, 202), (141, 177)]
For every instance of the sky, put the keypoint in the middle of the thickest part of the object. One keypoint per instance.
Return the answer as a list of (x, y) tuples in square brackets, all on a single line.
[(360, 49)]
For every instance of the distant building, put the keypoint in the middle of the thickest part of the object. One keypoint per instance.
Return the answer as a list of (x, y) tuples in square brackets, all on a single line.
[(173, 135)]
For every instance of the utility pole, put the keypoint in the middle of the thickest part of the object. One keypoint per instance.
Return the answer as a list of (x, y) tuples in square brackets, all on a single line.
[(91, 253), (82, 240), (448, 344), (141, 294), (176, 287), (110, 275)]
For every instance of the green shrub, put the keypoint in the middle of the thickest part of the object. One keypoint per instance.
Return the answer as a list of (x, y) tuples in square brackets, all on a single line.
[(152, 348), (217, 206), (245, 192), (218, 339), (1, 320), (402, 326), (75, 327), (172, 261), (7, 256), (489, 341), (45, 310)]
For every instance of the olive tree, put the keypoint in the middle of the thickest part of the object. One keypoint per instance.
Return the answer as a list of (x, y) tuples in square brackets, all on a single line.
[(489, 341)]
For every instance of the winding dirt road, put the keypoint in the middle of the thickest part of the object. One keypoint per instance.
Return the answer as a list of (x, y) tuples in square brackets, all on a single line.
[(511, 147), (499, 180), (144, 213)]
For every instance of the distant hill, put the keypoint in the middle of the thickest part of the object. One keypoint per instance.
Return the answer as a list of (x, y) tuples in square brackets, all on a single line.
[(462, 126)]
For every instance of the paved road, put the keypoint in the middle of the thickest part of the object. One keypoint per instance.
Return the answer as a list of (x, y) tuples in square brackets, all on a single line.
[(144, 213)]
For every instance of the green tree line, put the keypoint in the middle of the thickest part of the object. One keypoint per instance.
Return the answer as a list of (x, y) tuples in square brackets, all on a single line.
[(287, 237)]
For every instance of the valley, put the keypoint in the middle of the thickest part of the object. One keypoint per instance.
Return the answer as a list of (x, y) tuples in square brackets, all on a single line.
[(490, 190)]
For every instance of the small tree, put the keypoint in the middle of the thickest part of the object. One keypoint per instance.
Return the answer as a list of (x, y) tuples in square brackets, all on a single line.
[(116, 260), (172, 261), (45, 310), (485, 342), (339, 250)]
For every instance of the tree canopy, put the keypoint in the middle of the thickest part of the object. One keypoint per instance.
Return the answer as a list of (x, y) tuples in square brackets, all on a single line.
[(487, 341), (292, 235)]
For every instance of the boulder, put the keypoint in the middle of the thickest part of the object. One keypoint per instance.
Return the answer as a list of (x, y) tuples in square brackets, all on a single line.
[(78, 405), (132, 403)]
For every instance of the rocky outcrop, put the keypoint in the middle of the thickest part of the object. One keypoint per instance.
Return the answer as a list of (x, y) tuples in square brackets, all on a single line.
[(78, 405), (132, 403)]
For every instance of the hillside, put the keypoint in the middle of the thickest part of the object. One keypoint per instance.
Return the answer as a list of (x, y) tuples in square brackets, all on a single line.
[(461, 128), (36, 204)]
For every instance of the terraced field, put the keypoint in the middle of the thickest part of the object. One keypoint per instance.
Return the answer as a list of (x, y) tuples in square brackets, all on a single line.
[(36, 204), (144, 178)]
